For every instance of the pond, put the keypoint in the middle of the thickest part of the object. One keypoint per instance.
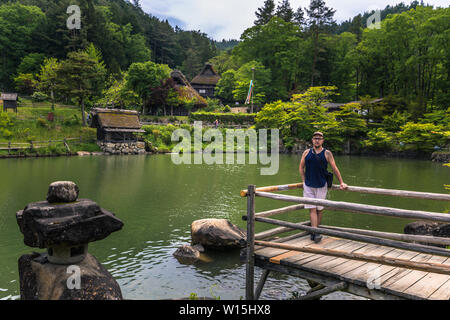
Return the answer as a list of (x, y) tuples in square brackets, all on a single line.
[(157, 200)]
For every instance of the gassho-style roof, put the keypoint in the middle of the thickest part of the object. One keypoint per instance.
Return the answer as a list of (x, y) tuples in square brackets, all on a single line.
[(208, 76), (185, 90), (116, 120), (8, 96)]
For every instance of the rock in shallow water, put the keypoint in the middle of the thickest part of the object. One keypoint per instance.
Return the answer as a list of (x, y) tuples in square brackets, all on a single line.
[(428, 229), (187, 254), (217, 234)]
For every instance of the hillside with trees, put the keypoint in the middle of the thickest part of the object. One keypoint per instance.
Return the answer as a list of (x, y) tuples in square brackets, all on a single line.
[(31, 30), (123, 57)]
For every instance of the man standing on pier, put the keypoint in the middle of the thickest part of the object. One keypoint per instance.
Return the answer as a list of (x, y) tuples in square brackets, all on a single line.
[(315, 161)]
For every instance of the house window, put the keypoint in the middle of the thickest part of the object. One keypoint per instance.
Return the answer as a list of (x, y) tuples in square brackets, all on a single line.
[(202, 91)]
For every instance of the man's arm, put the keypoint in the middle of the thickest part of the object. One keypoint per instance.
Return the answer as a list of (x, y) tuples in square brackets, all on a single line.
[(301, 167), (336, 171)]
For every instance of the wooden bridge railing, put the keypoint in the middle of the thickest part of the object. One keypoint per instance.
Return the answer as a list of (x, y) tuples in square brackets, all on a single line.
[(416, 243)]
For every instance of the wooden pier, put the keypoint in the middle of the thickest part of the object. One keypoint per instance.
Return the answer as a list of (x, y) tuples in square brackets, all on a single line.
[(368, 263)]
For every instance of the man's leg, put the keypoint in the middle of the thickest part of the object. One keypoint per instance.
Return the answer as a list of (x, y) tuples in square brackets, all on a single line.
[(321, 194), (313, 217), (318, 237), (319, 217)]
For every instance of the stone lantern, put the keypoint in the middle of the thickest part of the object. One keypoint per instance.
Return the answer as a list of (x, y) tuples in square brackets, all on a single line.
[(64, 225)]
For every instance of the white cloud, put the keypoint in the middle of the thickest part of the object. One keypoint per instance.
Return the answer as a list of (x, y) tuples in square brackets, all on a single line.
[(227, 19)]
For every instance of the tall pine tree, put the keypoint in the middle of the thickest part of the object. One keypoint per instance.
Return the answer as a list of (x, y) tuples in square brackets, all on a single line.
[(319, 18), (299, 17), (284, 11), (265, 13)]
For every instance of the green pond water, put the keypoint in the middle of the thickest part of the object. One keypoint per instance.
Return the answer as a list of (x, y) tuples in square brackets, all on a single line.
[(157, 201)]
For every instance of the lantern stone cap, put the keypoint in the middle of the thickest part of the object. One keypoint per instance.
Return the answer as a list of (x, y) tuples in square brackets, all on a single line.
[(45, 224)]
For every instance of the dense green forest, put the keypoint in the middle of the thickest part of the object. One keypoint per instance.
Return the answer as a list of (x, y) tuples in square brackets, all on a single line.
[(292, 50), (122, 57), (31, 30)]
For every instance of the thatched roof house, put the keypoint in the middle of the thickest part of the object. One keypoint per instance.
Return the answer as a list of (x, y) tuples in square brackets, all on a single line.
[(185, 90), (9, 101), (205, 82), (115, 124), (188, 100)]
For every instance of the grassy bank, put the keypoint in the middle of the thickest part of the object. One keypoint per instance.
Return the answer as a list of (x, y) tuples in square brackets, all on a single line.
[(32, 124), (159, 138)]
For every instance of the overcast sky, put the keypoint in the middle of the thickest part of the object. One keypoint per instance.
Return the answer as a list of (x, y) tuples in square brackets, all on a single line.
[(227, 19)]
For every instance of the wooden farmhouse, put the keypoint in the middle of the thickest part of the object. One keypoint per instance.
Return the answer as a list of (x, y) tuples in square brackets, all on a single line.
[(205, 82), (115, 125), (9, 101)]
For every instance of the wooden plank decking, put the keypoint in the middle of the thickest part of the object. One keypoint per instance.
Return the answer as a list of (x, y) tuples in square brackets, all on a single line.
[(368, 279)]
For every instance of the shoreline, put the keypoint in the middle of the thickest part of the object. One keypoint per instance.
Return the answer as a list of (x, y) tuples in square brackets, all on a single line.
[(99, 153)]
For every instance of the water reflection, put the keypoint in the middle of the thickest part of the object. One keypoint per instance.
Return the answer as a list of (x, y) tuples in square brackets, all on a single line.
[(158, 200)]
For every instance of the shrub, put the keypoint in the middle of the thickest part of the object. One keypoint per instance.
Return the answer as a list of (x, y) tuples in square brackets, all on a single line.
[(73, 121), (423, 136), (39, 96), (166, 137), (228, 118), (394, 121), (227, 109), (23, 133), (379, 140), (156, 133), (42, 123), (5, 123)]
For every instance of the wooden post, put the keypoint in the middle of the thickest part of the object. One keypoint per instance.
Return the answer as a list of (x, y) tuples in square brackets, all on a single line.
[(9, 147), (318, 293), (261, 283), (250, 267)]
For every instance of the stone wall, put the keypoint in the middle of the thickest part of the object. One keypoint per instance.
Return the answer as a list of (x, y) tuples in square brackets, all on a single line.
[(441, 156), (137, 147)]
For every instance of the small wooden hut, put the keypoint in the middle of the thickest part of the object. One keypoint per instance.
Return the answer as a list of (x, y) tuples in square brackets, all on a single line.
[(115, 125), (9, 101), (205, 82)]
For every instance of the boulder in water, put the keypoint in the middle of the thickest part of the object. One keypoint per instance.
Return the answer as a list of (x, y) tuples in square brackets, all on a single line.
[(187, 254), (217, 234)]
